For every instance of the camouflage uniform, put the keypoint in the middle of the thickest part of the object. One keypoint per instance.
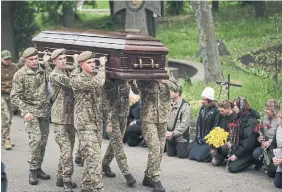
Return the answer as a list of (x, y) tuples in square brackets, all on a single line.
[(88, 123), (155, 111), (117, 92), (62, 117), (8, 72), (30, 94)]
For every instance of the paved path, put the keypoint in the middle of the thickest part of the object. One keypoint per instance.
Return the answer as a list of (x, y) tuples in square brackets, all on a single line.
[(178, 175)]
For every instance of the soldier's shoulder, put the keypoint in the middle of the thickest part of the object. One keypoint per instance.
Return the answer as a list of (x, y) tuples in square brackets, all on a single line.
[(20, 72)]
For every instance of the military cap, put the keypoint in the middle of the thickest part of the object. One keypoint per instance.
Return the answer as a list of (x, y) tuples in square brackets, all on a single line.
[(5, 54), (57, 52), (85, 55), (31, 51)]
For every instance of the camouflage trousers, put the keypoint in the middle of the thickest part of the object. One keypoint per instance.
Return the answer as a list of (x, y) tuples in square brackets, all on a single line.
[(115, 148), (65, 138), (91, 141), (155, 135), (38, 131), (6, 116), (78, 154)]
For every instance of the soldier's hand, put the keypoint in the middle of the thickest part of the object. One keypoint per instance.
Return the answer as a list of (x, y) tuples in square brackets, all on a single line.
[(46, 56), (75, 56), (28, 117), (102, 61), (109, 129), (163, 81)]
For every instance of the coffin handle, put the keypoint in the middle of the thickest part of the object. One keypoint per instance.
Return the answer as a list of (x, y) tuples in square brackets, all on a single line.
[(141, 65)]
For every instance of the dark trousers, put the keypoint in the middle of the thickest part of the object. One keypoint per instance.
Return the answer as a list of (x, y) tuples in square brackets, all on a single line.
[(199, 152), (278, 180), (177, 149), (134, 135)]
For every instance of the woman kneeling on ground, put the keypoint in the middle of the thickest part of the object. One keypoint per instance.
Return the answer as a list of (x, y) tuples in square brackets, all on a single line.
[(227, 115), (208, 119), (245, 138)]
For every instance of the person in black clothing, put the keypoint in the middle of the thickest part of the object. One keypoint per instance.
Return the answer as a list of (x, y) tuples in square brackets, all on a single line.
[(227, 115), (133, 134), (245, 138), (3, 178), (208, 119)]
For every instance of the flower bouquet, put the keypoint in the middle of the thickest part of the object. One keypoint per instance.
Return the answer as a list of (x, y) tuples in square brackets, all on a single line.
[(217, 137), (260, 130)]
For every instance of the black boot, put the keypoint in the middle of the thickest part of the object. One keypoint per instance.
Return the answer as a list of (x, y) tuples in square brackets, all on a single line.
[(68, 186), (78, 160), (42, 175), (147, 181), (108, 172), (33, 180), (130, 180), (158, 187), (60, 183), (258, 165)]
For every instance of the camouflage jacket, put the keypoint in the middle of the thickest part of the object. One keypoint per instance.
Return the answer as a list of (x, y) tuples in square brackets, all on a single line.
[(7, 74), (155, 97), (63, 97), (117, 94), (29, 91), (88, 105)]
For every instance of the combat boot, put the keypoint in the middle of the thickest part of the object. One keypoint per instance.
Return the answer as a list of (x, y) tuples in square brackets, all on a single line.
[(78, 160), (158, 187), (7, 145), (147, 181), (130, 180), (108, 172), (60, 183), (42, 175), (33, 180), (68, 186)]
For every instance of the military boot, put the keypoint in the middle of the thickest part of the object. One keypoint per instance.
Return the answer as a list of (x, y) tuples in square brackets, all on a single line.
[(78, 160), (147, 181), (108, 172), (130, 180), (42, 175), (7, 144), (68, 186), (60, 183), (33, 180), (158, 187)]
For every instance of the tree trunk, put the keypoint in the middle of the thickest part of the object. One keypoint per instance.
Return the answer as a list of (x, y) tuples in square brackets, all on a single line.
[(260, 8), (215, 5), (68, 15), (7, 29), (111, 2), (208, 45)]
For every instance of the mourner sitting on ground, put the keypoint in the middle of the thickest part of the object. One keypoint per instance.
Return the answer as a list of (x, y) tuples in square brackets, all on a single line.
[(207, 119), (178, 126), (270, 122), (242, 140), (134, 132), (276, 144), (227, 115)]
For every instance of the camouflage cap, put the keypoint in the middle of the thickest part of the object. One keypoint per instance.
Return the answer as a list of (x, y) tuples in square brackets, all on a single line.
[(5, 54), (85, 55), (57, 52), (31, 51)]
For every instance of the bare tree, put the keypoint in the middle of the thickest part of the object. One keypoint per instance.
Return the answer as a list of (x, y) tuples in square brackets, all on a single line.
[(207, 37)]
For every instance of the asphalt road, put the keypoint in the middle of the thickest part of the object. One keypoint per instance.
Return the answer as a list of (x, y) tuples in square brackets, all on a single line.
[(178, 175)]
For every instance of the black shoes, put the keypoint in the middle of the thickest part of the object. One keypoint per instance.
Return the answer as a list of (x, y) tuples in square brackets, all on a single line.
[(33, 180), (158, 187), (130, 180), (42, 175)]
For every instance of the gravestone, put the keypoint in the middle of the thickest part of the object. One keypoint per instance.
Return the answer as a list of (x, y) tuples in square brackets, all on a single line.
[(139, 16)]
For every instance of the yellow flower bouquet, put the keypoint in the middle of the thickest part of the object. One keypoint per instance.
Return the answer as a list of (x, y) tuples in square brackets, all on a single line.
[(217, 137)]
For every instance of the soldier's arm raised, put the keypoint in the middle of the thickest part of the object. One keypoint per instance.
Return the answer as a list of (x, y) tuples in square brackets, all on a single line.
[(172, 83), (134, 87), (76, 69), (63, 80)]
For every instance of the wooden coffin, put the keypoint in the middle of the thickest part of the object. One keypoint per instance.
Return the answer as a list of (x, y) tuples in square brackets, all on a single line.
[(129, 55)]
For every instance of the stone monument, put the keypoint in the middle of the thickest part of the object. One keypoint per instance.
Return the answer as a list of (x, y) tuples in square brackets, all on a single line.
[(139, 16)]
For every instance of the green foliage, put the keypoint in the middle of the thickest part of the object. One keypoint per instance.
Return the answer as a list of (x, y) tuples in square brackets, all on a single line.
[(90, 4), (51, 12), (24, 25)]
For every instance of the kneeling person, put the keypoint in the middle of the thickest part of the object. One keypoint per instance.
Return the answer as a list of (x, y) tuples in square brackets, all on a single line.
[(178, 127)]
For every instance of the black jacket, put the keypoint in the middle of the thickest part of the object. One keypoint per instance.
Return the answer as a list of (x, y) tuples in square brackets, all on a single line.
[(207, 119), (247, 135), (134, 113), (225, 120)]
